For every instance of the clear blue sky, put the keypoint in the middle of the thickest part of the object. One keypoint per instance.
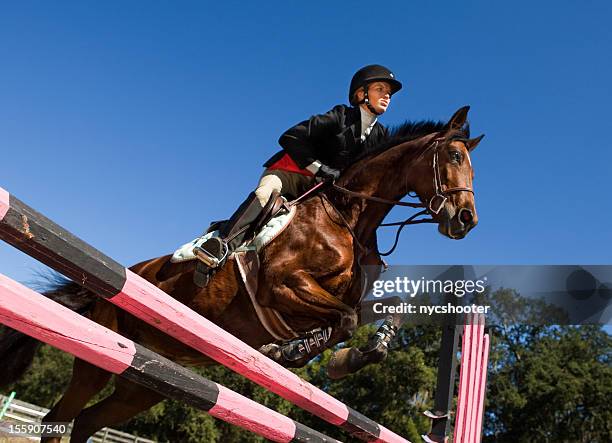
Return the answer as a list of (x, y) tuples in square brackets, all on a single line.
[(134, 124)]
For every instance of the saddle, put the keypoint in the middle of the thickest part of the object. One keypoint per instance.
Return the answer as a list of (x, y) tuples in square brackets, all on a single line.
[(276, 206), (272, 220)]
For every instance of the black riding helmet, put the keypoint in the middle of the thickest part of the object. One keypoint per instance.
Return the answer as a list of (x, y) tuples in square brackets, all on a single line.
[(369, 74)]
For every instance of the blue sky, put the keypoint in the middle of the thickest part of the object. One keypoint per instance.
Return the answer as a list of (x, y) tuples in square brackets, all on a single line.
[(133, 124)]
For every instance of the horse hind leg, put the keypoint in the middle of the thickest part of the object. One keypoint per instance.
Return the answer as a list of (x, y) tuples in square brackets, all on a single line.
[(127, 400), (350, 360), (87, 380)]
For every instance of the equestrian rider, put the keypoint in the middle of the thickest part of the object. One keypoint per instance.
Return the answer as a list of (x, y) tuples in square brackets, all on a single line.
[(316, 149)]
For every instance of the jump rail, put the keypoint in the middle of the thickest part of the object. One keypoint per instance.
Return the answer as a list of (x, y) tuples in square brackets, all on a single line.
[(39, 237), (37, 316)]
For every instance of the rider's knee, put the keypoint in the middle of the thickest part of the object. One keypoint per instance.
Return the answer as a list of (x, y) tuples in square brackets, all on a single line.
[(267, 185)]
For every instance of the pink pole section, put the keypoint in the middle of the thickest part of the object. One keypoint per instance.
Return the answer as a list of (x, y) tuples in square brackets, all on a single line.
[(4, 203), (231, 407), (482, 387), (471, 377), (463, 384), (478, 329), (37, 316), (472, 381)]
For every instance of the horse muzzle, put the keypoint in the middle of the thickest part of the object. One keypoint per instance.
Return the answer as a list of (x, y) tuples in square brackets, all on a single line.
[(456, 224)]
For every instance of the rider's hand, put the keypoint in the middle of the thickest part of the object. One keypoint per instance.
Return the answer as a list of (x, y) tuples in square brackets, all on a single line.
[(326, 173)]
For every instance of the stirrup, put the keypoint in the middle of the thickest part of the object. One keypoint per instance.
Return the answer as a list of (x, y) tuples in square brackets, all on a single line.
[(212, 252)]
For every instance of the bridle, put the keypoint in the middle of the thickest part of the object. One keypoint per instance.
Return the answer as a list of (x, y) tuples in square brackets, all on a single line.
[(440, 197), (440, 192)]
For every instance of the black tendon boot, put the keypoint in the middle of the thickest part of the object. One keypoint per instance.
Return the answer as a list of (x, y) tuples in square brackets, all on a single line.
[(296, 353), (383, 336), (350, 360), (215, 250)]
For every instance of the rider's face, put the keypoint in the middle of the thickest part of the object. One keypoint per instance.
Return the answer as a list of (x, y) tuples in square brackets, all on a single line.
[(379, 94)]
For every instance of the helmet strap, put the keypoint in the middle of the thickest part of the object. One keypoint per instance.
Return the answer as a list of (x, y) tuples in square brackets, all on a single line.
[(366, 100)]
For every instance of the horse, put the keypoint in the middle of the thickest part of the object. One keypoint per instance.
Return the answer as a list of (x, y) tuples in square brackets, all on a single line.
[(311, 273)]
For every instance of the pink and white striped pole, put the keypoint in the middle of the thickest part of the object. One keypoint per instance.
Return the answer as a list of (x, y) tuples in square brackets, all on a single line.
[(472, 381)]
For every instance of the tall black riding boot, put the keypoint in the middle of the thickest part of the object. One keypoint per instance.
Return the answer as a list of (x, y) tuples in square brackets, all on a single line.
[(232, 232)]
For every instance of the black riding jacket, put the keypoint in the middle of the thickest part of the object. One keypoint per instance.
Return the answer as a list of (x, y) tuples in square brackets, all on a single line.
[(333, 138)]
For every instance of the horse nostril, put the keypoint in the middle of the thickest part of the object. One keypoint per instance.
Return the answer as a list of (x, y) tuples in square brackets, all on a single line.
[(465, 216)]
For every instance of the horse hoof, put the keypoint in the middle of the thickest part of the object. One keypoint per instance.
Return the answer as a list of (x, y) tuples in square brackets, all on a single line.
[(349, 323), (272, 351), (343, 362)]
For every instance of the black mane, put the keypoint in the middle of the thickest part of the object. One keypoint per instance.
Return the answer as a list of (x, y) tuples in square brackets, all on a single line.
[(409, 130)]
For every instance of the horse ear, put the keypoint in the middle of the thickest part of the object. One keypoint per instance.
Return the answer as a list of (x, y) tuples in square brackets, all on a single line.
[(473, 142), (458, 119)]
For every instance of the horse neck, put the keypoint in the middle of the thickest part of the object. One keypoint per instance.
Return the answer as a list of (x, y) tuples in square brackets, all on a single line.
[(390, 175)]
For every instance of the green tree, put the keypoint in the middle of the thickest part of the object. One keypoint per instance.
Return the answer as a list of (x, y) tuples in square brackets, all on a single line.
[(546, 383), (552, 384)]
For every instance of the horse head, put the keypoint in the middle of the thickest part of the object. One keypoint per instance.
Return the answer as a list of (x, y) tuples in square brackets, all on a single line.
[(446, 184), (430, 159)]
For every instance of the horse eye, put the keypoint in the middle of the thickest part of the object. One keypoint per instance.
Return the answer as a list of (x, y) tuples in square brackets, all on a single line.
[(455, 156)]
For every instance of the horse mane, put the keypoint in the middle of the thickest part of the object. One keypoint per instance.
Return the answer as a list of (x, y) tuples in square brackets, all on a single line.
[(407, 131)]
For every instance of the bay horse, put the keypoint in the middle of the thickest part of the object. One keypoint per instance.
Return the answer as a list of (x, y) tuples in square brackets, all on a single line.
[(311, 273)]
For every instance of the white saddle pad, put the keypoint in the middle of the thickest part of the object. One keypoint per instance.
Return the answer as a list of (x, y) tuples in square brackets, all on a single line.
[(185, 252), (265, 236)]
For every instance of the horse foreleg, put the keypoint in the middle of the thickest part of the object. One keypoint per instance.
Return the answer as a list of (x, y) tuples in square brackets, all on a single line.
[(125, 402), (302, 296), (349, 360), (297, 353), (87, 381)]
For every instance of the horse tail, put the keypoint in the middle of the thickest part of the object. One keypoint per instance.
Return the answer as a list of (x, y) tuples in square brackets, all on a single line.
[(16, 353), (17, 350)]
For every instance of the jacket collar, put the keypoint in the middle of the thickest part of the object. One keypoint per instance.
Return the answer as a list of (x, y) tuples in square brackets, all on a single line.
[(354, 123)]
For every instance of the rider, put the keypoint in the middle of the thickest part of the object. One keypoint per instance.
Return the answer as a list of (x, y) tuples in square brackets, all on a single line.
[(319, 148)]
